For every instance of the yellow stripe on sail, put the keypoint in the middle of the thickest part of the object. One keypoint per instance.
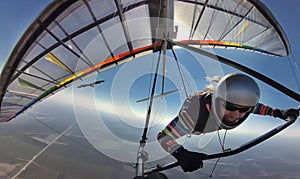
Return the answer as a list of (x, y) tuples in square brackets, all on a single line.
[(243, 29), (50, 57), (70, 79)]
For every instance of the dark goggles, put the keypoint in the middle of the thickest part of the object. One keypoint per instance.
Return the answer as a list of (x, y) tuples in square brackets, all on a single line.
[(233, 107)]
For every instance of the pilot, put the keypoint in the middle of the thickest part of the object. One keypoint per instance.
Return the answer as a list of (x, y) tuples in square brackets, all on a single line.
[(226, 106)]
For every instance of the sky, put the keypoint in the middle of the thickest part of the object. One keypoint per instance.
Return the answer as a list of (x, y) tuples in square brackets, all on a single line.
[(17, 15)]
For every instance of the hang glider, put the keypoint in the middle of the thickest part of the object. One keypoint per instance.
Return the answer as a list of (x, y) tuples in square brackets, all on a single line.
[(73, 40)]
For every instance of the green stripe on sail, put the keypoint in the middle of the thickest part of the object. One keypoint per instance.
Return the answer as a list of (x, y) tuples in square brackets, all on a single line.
[(46, 93), (28, 84)]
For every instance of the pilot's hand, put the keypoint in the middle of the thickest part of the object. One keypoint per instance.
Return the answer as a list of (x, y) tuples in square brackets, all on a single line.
[(189, 161), (284, 114)]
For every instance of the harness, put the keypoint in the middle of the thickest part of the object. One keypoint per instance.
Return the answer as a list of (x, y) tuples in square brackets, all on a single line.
[(204, 112)]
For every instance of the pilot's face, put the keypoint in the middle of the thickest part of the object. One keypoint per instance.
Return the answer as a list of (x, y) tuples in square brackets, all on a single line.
[(232, 112)]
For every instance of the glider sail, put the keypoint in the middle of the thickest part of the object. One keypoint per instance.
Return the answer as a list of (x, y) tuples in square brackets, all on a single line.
[(51, 55)]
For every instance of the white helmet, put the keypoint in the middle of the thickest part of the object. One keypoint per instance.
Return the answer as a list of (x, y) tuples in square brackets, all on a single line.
[(237, 89)]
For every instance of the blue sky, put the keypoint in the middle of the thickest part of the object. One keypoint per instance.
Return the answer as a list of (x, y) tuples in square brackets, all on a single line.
[(15, 17)]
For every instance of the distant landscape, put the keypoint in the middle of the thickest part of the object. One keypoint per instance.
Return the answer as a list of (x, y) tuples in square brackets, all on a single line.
[(72, 157)]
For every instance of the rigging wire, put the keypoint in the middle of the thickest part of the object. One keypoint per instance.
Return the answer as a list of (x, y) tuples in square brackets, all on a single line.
[(213, 16), (187, 85), (142, 154), (180, 72), (198, 20), (151, 83), (152, 68), (222, 143), (193, 20), (144, 137), (151, 76), (295, 70), (230, 20)]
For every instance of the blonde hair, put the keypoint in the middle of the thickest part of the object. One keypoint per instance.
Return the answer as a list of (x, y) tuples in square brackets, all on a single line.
[(212, 80)]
